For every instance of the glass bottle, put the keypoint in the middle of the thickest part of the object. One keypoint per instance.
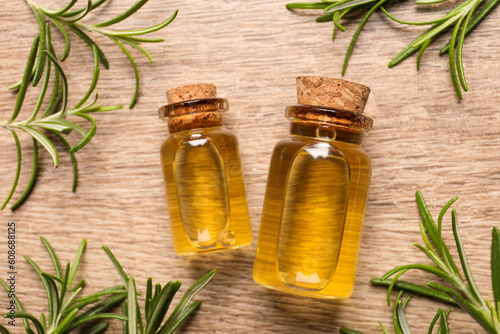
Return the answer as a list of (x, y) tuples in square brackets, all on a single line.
[(316, 193), (202, 173)]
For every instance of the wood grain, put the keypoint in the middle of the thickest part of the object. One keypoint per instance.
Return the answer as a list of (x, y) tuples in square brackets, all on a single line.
[(423, 138)]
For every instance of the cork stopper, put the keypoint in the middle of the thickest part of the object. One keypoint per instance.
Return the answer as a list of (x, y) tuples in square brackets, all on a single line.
[(332, 93), (191, 92), (193, 106)]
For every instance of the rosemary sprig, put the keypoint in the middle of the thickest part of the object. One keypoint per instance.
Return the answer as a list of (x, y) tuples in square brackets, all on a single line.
[(335, 10), (157, 303), (63, 301), (64, 308), (463, 19), (56, 118), (460, 290), (400, 322), (66, 18), (460, 19), (42, 61)]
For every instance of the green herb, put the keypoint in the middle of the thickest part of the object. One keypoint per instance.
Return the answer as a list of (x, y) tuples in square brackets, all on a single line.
[(42, 67), (460, 17), (463, 18), (157, 304), (64, 304), (65, 307), (460, 290), (56, 117), (400, 323), (335, 10), (66, 18)]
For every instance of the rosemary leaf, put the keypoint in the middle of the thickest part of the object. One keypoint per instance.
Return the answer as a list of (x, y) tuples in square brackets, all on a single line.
[(32, 180), (82, 15), (53, 257), (307, 5), (134, 66), (66, 321), (78, 11), (73, 160), (67, 44), (186, 299), (358, 31), (46, 76), (26, 79), (63, 79), (403, 322), (395, 317), (117, 265), (91, 43), (125, 313), (444, 324), (463, 257), (42, 139), (434, 320), (18, 168), (102, 306), (146, 30), (40, 63), (4, 330), (147, 303), (99, 316), (187, 312), (132, 306), (63, 302), (34, 320), (416, 288), (65, 9), (495, 264), (76, 262), (125, 15), (95, 77), (89, 134), (96, 329)]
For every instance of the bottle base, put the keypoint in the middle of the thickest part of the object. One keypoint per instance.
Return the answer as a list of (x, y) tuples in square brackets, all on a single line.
[(298, 292), (212, 250)]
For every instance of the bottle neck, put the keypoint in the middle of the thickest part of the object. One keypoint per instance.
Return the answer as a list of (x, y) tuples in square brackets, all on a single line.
[(326, 132), (195, 121)]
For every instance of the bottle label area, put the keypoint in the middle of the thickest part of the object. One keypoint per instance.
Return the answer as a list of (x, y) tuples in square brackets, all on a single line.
[(313, 216)]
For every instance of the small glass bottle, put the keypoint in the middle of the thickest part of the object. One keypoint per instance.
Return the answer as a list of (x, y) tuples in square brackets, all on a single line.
[(316, 193), (202, 173)]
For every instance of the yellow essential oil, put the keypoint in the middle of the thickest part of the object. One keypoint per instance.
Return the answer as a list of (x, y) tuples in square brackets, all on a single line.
[(202, 172), (316, 193)]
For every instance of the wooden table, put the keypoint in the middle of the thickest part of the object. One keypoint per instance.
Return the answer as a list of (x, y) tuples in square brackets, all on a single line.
[(423, 138)]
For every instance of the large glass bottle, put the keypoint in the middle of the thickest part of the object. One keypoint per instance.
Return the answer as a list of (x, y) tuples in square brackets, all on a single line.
[(202, 173), (316, 193)]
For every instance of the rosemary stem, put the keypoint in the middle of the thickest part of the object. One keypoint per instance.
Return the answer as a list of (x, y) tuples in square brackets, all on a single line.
[(90, 28), (479, 304), (6, 124)]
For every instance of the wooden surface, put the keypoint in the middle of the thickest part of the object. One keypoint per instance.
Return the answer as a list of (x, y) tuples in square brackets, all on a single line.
[(423, 138)]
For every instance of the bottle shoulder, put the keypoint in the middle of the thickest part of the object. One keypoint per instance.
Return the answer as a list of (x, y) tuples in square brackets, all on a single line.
[(219, 135), (290, 145)]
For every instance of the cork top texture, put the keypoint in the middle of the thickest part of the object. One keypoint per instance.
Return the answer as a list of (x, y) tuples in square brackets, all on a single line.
[(332, 93), (191, 92)]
